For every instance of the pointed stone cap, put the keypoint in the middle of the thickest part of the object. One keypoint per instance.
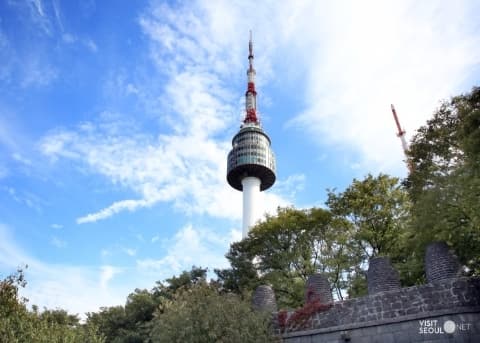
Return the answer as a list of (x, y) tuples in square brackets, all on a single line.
[(318, 287), (381, 276), (440, 262), (263, 299)]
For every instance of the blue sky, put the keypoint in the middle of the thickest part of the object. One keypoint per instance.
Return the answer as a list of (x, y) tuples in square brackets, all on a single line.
[(116, 119)]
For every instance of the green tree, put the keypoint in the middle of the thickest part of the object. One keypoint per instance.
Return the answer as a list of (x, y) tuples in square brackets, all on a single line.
[(284, 250), (130, 323), (19, 325), (377, 209), (111, 322), (60, 317), (444, 184), (201, 314), (186, 279)]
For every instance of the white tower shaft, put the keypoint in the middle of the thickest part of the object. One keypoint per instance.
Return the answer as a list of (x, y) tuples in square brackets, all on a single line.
[(251, 203)]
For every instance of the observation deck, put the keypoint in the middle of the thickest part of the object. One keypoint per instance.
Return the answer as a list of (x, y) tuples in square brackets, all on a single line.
[(251, 156)]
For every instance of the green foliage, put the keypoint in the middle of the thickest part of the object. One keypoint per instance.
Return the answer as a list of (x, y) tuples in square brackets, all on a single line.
[(368, 219), (111, 322), (445, 180), (284, 250), (131, 323), (19, 325), (186, 279), (59, 316), (201, 314), (377, 208)]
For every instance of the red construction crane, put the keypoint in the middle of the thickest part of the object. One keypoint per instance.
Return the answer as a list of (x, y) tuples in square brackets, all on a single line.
[(401, 134)]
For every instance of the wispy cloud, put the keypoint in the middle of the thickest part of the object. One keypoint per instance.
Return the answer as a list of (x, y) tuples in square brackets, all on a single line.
[(351, 61), (78, 289), (3, 171), (107, 274), (69, 38), (37, 72), (38, 7), (205, 249), (39, 15), (22, 159), (364, 56), (90, 44), (186, 164), (25, 198), (59, 243), (116, 207), (130, 251)]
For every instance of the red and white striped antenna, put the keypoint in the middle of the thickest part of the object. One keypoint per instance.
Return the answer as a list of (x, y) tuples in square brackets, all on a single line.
[(251, 93)]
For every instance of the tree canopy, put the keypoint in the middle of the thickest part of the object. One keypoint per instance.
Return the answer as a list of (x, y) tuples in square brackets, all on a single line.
[(444, 184), (19, 325), (368, 219), (202, 314)]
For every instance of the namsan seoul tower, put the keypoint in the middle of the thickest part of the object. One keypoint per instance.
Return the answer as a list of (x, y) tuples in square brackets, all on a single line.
[(251, 162)]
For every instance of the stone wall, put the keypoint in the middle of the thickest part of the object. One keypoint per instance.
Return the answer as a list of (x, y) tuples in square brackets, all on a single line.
[(398, 316), (447, 309)]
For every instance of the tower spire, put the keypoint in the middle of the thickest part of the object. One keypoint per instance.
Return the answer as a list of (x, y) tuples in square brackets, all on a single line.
[(251, 94)]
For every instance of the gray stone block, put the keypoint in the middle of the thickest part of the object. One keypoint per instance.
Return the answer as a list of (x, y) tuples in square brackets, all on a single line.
[(263, 299), (318, 287), (381, 276), (440, 263)]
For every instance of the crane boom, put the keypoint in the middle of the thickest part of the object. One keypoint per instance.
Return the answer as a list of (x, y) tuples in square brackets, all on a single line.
[(401, 132)]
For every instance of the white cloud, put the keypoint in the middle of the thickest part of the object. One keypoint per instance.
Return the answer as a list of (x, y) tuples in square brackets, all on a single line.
[(26, 198), (187, 170), (187, 165), (57, 242), (19, 158), (69, 38), (350, 61), (38, 15), (191, 247), (78, 289), (116, 207), (364, 56), (37, 72), (130, 251), (38, 5), (56, 226), (90, 44), (3, 171), (106, 274)]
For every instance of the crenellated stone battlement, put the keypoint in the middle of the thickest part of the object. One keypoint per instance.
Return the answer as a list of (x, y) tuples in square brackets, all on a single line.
[(390, 313)]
